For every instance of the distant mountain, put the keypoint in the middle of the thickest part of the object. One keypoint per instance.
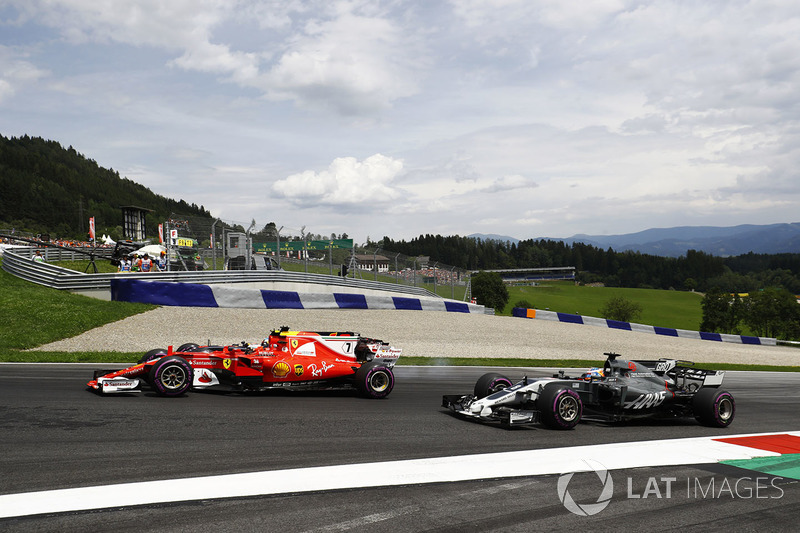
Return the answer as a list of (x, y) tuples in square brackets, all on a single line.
[(719, 241), (493, 237)]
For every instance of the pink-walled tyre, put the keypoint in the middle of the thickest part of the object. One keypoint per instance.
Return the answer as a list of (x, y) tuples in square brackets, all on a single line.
[(561, 408), (490, 383), (171, 376), (374, 381), (714, 407)]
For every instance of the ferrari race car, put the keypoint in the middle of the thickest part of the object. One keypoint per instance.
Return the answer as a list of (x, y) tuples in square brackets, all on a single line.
[(622, 390), (284, 360)]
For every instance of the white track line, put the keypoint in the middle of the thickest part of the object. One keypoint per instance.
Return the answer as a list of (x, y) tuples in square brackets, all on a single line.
[(613, 456)]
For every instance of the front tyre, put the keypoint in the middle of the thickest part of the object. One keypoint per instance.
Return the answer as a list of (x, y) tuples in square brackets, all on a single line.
[(490, 383), (171, 376), (714, 407), (188, 347), (561, 408), (374, 381)]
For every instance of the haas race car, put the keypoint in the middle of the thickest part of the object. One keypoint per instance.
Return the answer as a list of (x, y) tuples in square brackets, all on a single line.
[(621, 390), (284, 360)]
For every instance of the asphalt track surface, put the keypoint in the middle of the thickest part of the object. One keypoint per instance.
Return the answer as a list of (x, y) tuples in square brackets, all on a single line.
[(55, 434)]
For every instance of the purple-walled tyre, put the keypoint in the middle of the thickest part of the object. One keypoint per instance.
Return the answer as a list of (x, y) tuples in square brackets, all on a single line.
[(171, 376), (490, 383), (561, 408), (374, 380), (714, 407)]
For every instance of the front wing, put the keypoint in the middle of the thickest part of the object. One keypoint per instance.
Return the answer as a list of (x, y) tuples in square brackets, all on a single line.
[(460, 405)]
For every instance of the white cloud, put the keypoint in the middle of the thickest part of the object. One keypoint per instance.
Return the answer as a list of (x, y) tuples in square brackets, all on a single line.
[(347, 181), (16, 72)]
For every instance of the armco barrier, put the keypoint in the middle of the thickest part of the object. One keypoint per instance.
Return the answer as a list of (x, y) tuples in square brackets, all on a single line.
[(521, 312), (57, 277), (237, 288), (198, 295)]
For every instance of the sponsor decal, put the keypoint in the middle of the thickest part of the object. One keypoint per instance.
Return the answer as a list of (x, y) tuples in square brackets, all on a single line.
[(308, 349), (226, 364), (632, 365), (294, 343), (646, 401), (298, 370), (281, 369), (319, 371), (205, 377), (665, 366), (202, 362)]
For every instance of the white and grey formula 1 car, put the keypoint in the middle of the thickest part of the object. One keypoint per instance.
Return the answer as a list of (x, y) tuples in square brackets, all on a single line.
[(622, 390)]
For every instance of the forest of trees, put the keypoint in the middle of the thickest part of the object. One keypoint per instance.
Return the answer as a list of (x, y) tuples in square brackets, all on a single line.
[(47, 188), (695, 270)]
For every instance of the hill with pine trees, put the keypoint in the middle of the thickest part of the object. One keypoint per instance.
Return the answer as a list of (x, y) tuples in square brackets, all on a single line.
[(47, 188)]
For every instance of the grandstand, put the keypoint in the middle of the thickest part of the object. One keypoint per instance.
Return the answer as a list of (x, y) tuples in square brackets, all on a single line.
[(520, 276)]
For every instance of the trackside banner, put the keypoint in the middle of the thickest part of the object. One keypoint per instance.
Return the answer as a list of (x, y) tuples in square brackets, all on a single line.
[(296, 246)]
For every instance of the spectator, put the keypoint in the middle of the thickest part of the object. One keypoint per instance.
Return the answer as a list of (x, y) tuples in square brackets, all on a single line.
[(38, 257), (146, 264)]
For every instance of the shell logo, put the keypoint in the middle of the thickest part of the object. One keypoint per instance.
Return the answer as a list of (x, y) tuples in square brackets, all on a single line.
[(281, 369)]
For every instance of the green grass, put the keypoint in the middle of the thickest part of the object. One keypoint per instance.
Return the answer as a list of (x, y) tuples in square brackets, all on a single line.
[(32, 315), (670, 309)]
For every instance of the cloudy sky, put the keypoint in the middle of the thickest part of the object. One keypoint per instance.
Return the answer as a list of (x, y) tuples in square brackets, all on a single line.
[(516, 117)]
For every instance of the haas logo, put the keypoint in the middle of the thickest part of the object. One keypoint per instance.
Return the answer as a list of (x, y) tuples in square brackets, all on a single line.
[(646, 401)]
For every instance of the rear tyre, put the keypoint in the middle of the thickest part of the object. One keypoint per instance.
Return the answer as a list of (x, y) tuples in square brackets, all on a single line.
[(714, 407), (171, 376), (153, 354), (490, 383), (561, 408), (374, 381)]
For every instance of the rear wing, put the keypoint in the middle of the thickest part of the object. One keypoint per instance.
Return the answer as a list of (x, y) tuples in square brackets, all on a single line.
[(684, 372)]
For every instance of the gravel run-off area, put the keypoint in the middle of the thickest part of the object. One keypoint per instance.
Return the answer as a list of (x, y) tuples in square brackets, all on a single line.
[(418, 333)]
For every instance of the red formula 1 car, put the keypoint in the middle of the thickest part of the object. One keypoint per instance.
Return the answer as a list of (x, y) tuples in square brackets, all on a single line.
[(284, 360)]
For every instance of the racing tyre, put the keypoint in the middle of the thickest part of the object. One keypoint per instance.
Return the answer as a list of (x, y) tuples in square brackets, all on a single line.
[(374, 381), (188, 347), (153, 354), (714, 407), (561, 408), (171, 376), (490, 383)]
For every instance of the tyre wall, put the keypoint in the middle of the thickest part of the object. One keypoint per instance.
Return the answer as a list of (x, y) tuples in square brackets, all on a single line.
[(521, 312), (219, 295)]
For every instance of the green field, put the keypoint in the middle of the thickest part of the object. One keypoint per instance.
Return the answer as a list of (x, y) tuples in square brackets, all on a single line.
[(32, 315), (669, 309)]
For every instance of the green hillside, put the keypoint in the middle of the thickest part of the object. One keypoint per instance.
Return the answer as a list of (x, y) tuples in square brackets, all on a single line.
[(51, 189)]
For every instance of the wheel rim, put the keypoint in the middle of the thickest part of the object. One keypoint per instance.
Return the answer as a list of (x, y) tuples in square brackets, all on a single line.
[(725, 409), (379, 381), (568, 408), (173, 377), (497, 386)]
